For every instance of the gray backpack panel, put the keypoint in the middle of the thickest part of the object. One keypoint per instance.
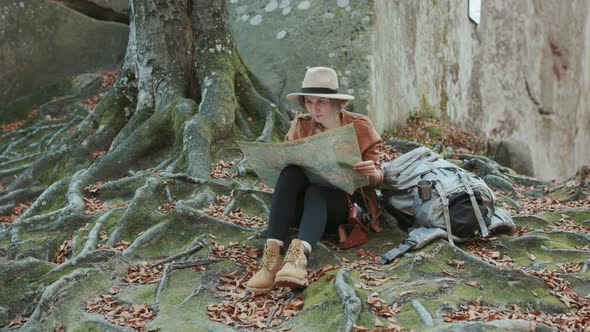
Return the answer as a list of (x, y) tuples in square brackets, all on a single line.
[(400, 188)]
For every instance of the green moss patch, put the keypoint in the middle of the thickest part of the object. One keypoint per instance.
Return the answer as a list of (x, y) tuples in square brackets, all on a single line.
[(554, 217), (21, 281)]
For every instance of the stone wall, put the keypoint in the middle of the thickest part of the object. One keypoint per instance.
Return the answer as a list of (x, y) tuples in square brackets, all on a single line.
[(280, 39), (521, 75), (43, 42), (520, 78)]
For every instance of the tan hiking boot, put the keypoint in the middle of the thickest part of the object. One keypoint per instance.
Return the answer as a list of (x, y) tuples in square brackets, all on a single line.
[(270, 263), (293, 274)]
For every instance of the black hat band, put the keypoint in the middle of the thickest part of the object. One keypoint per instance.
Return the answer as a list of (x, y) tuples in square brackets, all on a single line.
[(319, 90)]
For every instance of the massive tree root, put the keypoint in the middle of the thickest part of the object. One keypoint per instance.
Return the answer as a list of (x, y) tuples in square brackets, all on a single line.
[(182, 94), (352, 304)]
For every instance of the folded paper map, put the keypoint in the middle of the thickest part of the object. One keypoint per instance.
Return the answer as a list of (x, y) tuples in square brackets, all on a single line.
[(327, 158)]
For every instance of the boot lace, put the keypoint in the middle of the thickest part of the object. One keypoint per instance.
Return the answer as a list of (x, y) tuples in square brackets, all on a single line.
[(269, 257), (293, 255)]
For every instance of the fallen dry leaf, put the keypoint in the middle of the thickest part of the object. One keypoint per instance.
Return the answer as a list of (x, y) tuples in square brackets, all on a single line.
[(383, 309), (93, 100), (532, 205), (62, 252), (386, 153), (569, 225), (456, 263), (18, 322), (531, 256), (134, 316), (15, 212), (491, 256), (93, 188), (97, 154), (108, 78), (11, 126), (219, 170), (570, 267), (520, 230), (167, 207), (430, 131), (263, 187), (94, 205), (236, 216), (119, 246), (223, 199), (142, 274)]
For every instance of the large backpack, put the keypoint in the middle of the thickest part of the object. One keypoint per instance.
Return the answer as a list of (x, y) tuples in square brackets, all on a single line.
[(460, 203)]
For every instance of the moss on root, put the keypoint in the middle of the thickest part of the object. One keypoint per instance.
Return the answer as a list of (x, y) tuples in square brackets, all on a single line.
[(321, 318), (73, 317), (62, 166), (555, 217), (21, 282)]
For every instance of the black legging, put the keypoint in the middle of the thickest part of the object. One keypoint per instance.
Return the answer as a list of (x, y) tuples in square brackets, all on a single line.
[(297, 202)]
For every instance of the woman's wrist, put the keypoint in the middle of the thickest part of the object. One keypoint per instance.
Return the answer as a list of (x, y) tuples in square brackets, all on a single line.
[(375, 179)]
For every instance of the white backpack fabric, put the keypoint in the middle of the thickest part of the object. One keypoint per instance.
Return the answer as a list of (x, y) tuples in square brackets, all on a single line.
[(448, 182)]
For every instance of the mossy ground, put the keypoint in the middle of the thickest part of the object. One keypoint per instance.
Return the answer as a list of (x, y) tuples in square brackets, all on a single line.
[(322, 310)]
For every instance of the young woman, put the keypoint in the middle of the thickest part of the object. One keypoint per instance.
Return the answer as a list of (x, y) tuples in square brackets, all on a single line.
[(297, 202)]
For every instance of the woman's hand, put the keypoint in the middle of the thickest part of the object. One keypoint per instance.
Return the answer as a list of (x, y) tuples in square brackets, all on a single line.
[(367, 168)]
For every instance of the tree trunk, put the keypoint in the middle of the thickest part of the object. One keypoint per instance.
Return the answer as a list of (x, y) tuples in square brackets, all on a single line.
[(192, 87), (182, 94)]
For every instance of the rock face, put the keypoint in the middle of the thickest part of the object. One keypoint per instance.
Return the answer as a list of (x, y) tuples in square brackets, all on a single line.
[(103, 10), (513, 154), (118, 6), (44, 42), (522, 74), (279, 39)]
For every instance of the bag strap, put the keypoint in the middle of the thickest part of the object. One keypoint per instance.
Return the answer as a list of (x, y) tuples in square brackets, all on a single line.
[(394, 253), (365, 199), (348, 198), (416, 239), (446, 212), (374, 211), (478, 216)]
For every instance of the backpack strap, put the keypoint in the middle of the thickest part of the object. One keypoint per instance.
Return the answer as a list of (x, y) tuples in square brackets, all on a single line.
[(478, 216), (446, 212), (394, 253), (416, 239)]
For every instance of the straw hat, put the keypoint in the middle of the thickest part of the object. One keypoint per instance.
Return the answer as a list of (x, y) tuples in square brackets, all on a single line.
[(320, 82)]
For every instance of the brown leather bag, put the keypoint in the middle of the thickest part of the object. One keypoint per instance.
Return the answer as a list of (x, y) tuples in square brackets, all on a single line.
[(356, 231)]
